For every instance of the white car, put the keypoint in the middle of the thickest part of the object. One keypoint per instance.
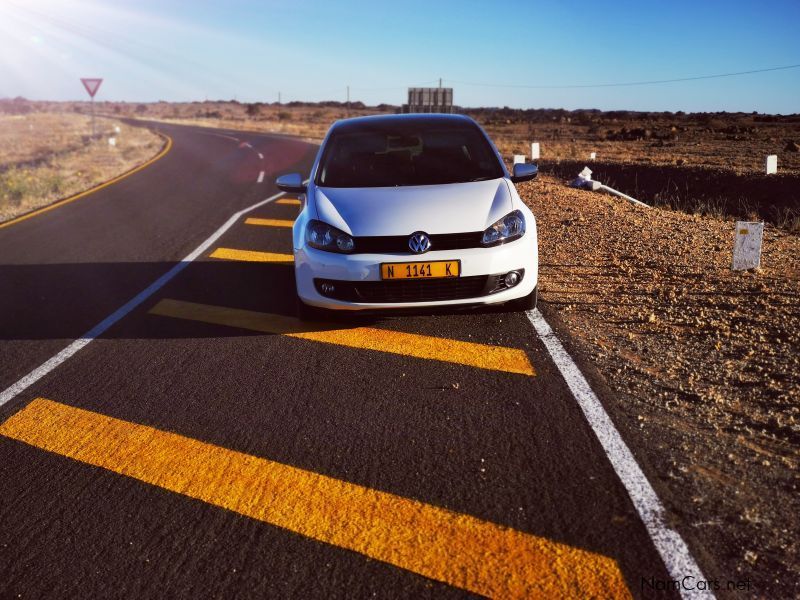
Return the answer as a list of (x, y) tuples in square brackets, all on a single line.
[(410, 211)]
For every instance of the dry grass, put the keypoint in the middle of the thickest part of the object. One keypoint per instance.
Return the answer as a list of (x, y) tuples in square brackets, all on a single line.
[(735, 142), (307, 122), (48, 156), (25, 138)]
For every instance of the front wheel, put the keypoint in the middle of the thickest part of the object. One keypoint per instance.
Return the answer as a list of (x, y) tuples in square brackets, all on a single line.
[(526, 302)]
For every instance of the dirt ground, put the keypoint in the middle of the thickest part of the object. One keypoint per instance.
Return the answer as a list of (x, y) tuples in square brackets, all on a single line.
[(704, 363)]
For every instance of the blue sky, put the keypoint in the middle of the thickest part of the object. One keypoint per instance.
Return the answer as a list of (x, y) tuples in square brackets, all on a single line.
[(310, 50)]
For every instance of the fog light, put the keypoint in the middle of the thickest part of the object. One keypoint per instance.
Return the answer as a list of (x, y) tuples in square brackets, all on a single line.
[(511, 279), (328, 288)]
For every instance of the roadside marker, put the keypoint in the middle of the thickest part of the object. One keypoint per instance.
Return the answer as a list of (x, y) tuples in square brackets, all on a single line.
[(251, 256), (772, 164), (519, 159), (269, 222), (482, 356), (747, 245), (535, 150), (292, 201), (668, 542), (455, 548)]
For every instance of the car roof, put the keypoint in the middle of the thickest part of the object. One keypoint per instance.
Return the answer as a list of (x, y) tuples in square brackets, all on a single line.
[(402, 122)]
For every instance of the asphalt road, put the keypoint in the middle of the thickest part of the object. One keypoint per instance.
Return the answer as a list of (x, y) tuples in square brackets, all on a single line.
[(207, 445)]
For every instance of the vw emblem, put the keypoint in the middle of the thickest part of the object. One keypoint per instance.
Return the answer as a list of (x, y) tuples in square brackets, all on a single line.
[(419, 242)]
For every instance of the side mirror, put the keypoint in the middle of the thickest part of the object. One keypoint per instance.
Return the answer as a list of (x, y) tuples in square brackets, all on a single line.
[(524, 172), (292, 183)]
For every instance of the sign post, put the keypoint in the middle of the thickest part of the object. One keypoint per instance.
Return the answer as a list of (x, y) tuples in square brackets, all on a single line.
[(91, 85)]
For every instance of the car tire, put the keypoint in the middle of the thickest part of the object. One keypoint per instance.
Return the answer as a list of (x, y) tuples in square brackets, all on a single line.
[(528, 302)]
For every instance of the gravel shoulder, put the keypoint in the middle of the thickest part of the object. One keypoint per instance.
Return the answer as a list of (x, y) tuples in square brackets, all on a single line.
[(703, 362)]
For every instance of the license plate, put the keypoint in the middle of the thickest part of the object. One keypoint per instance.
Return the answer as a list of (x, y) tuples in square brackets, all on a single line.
[(421, 270)]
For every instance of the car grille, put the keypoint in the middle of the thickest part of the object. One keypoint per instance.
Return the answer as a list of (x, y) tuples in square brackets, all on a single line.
[(399, 243), (412, 290)]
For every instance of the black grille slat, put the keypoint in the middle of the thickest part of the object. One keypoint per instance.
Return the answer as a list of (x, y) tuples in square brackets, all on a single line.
[(413, 290), (399, 243)]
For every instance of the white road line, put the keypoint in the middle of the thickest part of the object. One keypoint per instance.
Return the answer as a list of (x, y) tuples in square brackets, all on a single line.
[(103, 325), (222, 135), (673, 550), (260, 177), (261, 156)]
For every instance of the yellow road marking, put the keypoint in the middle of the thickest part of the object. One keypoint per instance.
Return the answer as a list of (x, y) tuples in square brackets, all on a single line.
[(494, 358), (26, 216), (251, 256), (268, 222), (292, 201), (457, 549)]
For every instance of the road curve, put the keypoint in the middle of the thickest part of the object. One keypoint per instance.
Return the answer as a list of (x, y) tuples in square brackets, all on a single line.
[(207, 444)]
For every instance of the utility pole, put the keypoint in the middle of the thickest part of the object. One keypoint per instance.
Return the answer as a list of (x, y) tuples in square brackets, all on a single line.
[(348, 100), (279, 98), (440, 83)]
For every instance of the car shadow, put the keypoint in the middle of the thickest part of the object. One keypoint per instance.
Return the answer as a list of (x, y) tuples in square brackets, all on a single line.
[(66, 300)]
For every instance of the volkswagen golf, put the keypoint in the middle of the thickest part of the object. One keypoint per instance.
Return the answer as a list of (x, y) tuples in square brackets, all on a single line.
[(412, 211)]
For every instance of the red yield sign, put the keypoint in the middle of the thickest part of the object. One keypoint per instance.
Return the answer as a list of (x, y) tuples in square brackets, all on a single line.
[(91, 85)]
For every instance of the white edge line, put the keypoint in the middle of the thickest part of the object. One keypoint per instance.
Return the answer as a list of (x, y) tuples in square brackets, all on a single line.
[(668, 542), (16, 388), (260, 177)]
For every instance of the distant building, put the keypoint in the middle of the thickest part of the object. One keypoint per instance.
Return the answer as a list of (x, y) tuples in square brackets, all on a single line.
[(429, 100)]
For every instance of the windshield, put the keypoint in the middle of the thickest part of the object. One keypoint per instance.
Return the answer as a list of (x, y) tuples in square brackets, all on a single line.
[(408, 156)]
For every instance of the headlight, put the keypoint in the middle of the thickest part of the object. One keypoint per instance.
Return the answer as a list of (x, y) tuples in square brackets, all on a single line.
[(322, 236), (509, 228)]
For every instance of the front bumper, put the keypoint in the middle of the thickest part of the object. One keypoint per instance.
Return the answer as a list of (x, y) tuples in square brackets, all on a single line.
[(522, 254)]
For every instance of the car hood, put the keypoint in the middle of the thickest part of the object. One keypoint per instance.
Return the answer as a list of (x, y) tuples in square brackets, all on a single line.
[(448, 208)]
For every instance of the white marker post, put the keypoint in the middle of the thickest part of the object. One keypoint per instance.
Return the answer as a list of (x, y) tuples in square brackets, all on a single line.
[(772, 164), (747, 245), (593, 155), (519, 158), (112, 141), (535, 151)]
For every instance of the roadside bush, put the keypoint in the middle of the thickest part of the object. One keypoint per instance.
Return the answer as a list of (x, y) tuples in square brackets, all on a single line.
[(18, 184)]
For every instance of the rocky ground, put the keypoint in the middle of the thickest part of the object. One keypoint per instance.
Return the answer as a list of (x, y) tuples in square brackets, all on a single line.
[(704, 363)]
